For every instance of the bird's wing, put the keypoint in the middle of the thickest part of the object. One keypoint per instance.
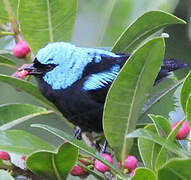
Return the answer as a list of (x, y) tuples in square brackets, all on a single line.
[(98, 82)]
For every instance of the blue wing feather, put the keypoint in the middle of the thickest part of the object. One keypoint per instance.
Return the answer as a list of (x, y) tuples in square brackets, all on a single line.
[(101, 79)]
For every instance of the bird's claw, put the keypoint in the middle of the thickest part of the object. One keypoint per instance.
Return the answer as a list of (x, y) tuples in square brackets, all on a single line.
[(78, 133)]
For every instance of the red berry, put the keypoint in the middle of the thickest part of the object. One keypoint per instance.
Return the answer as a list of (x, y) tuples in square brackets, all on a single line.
[(130, 163), (23, 158), (77, 171), (184, 130), (4, 155), (102, 167), (21, 49), (20, 74)]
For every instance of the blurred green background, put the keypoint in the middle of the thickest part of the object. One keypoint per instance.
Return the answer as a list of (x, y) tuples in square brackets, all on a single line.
[(98, 24)]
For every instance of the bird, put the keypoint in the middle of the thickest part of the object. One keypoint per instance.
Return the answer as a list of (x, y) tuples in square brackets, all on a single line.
[(76, 80)]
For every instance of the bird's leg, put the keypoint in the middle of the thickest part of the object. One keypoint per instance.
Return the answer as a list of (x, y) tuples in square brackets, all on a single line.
[(103, 148), (88, 139), (78, 133)]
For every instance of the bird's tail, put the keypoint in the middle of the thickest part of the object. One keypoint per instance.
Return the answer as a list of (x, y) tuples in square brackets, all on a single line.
[(168, 66)]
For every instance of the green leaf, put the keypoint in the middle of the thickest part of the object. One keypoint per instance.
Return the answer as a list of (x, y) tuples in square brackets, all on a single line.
[(144, 173), (162, 125), (79, 144), (52, 165), (188, 110), (21, 142), (50, 21), (157, 103), (171, 146), (13, 114), (5, 175), (143, 27), (128, 94), (185, 91), (28, 88), (176, 169), (148, 149), (163, 154), (8, 60)]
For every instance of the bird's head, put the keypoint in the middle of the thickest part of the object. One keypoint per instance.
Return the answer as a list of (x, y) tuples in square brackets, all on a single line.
[(59, 64)]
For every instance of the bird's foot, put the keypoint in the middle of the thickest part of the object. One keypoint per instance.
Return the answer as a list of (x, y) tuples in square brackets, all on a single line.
[(78, 133)]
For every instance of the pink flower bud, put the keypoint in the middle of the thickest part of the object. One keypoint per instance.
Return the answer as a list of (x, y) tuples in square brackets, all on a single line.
[(77, 171), (4, 155), (102, 167), (130, 163), (184, 130), (21, 49)]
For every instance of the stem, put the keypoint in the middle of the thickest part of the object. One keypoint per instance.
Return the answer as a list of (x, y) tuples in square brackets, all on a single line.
[(5, 33), (4, 27), (13, 21)]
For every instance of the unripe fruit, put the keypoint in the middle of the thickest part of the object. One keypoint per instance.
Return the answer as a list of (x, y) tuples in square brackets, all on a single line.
[(4, 155), (130, 163), (21, 49), (184, 130), (102, 167), (77, 171)]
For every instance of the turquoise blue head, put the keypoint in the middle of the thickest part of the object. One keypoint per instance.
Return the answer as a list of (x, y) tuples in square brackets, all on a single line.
[(61, 64)]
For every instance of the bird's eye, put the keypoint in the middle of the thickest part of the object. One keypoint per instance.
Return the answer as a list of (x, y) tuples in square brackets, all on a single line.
[(49, 67)]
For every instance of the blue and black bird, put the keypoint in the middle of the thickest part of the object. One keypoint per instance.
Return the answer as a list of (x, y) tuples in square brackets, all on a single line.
[(77, 80)]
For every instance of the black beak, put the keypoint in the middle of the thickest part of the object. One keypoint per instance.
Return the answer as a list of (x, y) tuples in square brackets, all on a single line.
[(31, 70)]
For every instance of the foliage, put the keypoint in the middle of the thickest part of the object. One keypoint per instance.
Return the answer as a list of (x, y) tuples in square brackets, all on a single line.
[(129, 98)]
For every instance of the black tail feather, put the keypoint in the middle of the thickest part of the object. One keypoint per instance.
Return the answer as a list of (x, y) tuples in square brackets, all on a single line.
[(168, 66)]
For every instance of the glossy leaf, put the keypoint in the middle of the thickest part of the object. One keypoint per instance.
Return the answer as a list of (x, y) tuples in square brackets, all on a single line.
[(143, 27), (21, 142), (188, 109), (163, 154), (148, 149), (75, 142), (157, 101), (5, 175), (53, 165), (50, 21), (128, 94), (28, 88), (171, 146), (176, 169), (162, 125), (185, 91), (8, 60), (13, 114), (144, 173)]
